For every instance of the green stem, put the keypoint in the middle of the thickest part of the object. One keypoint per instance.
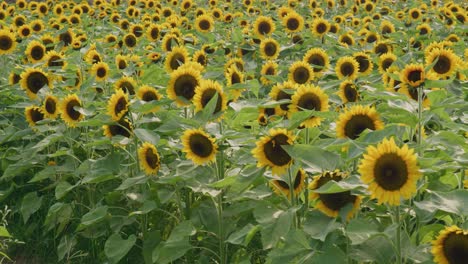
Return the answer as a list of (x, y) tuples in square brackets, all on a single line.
[(398, 234), (219, 204), (292, 195), (306, 191), (462, 179), (420, 125)]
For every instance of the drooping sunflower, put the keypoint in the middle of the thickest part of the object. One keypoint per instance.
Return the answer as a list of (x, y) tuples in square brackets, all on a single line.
[(122, 128), (348, 91), (320, 27), (331, 203), (293, 22), (69, 114), (391, 172), (149, 158), (283, 91), (270, 68), (199, 146), (413, 74), (318, 59), (300, 72), (117, 105), (127, 84), (269, 49), (451, 246), (264, 26), (181, 86), (148, 94), (33, 80), (364, 61), (50, 107), (269, 151), (446, 64), (352, 122), (33, 115), (204, 23), (176, 57), (7, 42), (205, 92), (35, 51), (309, 97), (100, 70), (347, 67), (385, 61), (281, 187)]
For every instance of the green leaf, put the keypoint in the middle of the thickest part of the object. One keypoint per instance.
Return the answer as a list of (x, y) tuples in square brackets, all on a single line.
[(130, 182), (272, 233), (116, 247), (314, 157), (331, 254), (451, 202), (238, 237), (437, 83), (176, 245), (65, 246), (92, 217), (146, 135), (30, 204), (359, 230), (63, 187), (318, 225), (46, 173), (4, 232), (207, 112)]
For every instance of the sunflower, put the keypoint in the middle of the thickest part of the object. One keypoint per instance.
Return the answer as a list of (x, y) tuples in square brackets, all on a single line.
[(269, 49), (200, 57), (318, 59), (300, 72), (386, 27), (148, 94), (117, 105), (35, 51), (7, 42), (14, 78), (205, 92), (233, 75), (122, 128), (320, 27), (446, 64), (93, 56), (181, 87), (263, 26), (412, 92), (170, 41), (68, 112), (348, 92), (24, 31), (413, 74), (50, 107), (309, 97), (451, 246), (33, 115), (270, 68), (347, 67), (354, 121), (137, 30), (130, 40), (346, 39), (268, 150), (153, 32), (33, 80), (66, 37), (100, 70), (281, 187), (415, 13), (127, 84), (331, 203), (293, 22), (283, 91), (149, 158), (390, 171), (237, 62), (365, 63), (176, 57), (385, 61), (204, 23), (199, 146)]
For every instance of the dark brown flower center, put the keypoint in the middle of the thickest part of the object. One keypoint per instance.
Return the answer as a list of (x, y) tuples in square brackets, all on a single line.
[(35, 81), (185, 86), (120, 106), (301, 75), (149, 96), (36, 115), (347, 68), (264, 28), (70, 109), (152, 159), (101, 72), (317, 60), (292, 23), (363, 62), (309, 101), (5, 42), (204, 24), (321, 28), (127, 87), (387, 63), (130, 41), (442, 65), (350, 93), (208, 95), (177, 60), (390, 172), (50, 106), (270, 49), (122, 128), (357, 124), (274, 152), (414, 75), (200, 145), (455, 248)]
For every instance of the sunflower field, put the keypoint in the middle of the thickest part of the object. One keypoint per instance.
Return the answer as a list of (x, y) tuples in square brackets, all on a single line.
[(234, 131)]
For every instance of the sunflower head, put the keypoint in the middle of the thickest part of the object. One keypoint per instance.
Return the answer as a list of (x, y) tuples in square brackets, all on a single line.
[(385, 61), (331, 203), (118, 104), (391, 172), (33, 115), (35, 51), (127, 84), (50, 107), (100, 70), (175, 58), (293, 22), (149, 94), (451, 246), (199, 146), (122, 128), (283, 91), (365, 63), (348, 92), (354, 121), (269, 151), (269, 68), (182, 84), (347, 67), (320, 27), (281, 187), (263, 26), (300, 72), (149, 158), (413, 74), (33, 80), (7, 42), (309, 97), (205, 92), (269, 49), (318, 59), (68, 110), (446, 63), (204, 23)]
